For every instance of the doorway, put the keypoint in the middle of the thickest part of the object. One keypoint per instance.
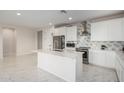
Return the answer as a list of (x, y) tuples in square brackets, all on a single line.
[(39, 40), (9, 42)]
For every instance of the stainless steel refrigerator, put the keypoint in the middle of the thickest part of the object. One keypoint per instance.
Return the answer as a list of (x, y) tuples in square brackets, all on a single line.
[(58, 42)]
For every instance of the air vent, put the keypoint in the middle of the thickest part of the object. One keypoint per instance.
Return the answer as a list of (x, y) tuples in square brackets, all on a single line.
[(63, 11)]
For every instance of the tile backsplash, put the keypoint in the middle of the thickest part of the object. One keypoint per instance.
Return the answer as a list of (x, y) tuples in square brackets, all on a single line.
[(84, 41)]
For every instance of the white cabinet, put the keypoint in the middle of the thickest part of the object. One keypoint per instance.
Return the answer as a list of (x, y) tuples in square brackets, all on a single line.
[(107, 59), (122, 28), (71, 33), (102, 58), (110, 30), (97, 58), (59, 31), (122, 75), (119, 70), (115, 30), (99, 31)]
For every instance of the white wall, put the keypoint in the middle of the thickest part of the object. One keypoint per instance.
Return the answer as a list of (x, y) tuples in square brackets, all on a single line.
[(26, 41)]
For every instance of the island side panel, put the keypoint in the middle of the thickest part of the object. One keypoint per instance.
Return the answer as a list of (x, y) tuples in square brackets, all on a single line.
[(62, 67), (79, 67)]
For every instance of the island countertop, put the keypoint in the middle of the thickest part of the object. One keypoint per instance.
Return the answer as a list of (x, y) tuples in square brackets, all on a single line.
[(64, 53)]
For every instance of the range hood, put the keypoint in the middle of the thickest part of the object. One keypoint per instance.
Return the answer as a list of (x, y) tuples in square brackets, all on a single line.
[(84, 31)]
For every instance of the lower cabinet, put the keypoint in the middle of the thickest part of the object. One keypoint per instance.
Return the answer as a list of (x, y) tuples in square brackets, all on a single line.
[(122, 75), (107, 59), (102, 58), (119, 69)]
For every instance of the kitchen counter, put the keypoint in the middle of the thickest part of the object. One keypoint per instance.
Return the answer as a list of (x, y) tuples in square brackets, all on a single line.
[(66, 65), (65, 53)]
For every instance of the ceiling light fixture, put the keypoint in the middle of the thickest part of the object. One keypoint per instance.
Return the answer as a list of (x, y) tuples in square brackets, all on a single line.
[(70, 18), (18, 13), (50, 23)]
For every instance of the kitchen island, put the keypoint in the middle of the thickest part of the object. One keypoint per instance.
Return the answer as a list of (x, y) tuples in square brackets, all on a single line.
[(66, 64)]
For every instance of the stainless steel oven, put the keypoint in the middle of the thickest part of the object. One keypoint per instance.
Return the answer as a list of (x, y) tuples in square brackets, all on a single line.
[(70, 45), (85, 55)]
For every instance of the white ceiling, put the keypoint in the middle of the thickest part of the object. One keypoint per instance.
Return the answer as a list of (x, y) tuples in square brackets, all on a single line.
[(39, 18)]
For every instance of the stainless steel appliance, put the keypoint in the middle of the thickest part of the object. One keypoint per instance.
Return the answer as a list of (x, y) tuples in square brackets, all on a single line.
[(85, 28), (58, 43), (70, 45), (85, 55), (123, 48)]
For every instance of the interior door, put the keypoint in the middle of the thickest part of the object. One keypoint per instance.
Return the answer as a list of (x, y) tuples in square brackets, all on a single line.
[(9, 42)]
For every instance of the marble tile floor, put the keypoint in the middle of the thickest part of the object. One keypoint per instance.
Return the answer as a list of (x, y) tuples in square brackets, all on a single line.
[(24, 69), (92, 73)]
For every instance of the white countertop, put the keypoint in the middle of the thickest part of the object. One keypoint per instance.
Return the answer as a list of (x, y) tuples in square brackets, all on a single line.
[(101, 50), (65, 53)]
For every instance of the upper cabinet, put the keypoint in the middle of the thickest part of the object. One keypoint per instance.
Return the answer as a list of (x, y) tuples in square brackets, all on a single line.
[(99, 31), (110, 30), (123, 29), (71, 33), (115, 30), (59, 31)]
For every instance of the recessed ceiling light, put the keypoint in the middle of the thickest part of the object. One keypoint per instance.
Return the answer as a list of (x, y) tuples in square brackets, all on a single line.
[(18, 13), (70, 18), (50, 23)]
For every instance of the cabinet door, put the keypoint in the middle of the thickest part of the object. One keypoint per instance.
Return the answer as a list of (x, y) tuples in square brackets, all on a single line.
[(122, 75), (110, 59), (59, 31), (74, 33), (118, 69), (115, 30), (56, 32), (91, 56), (99, 31), (68, 34), (122, 29), (71, 33), (110, 30), (98, 58), (102, 58)]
